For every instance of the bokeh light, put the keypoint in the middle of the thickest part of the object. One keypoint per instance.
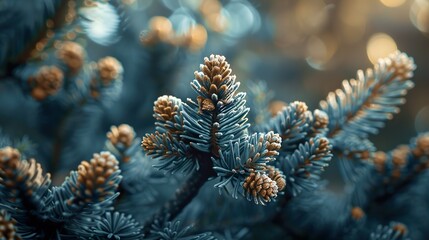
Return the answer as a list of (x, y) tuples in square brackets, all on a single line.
[(320, 50), (380, 45), (354, 16), (242, 19), (422, 120), (419, 15), (393, 3)]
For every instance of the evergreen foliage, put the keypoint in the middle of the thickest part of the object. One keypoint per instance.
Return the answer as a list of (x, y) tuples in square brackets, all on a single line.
[(218, 164)]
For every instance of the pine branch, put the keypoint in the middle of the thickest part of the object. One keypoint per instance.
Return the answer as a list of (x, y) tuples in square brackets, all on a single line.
[(304, 166), (291, 124), (173, 231), (184, 195), (353, 156), (24, 189), (7, 227), (391, 172), (85, 195), (56, 16), (24, 30), (400, 167), (140, 185), (192, 134), (259, 99), (317, 123), (243, 168), (112, 225), (73, 111), (364, 104), (57, 21)]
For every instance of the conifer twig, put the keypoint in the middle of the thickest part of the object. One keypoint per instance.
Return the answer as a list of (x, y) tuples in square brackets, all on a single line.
[(184, 195)]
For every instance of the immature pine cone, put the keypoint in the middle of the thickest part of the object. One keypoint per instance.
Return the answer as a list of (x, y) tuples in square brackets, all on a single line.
[(123, 134), (9, 156), (401, 228), (401, 65), (47, 81), (324, 146), (379, 160), (321, 121), (157, 144), (149, 143), (214, 81), (9, 164), (277, 176), (205, 104), (93, 179), (22, 177), (260, 187), (109, 68), (422, 146), (72, 54), (399, 155), (165, 108), (357, 213), (301, 108), (274, 143)]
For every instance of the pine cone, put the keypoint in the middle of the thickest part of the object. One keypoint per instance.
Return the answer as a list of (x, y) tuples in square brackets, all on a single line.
[(357, 213), (273, 143), (400, 64), (379, 160), (46, 82), (321, 121), (22, 178), (9, 156), (109, 68), (93, 183), (72, 54), (165, 108), (399, 155), (123, 134), (260, 188), (148, 143), (422, 146), (323, 147), (214, 81), (399, 159), (205, 104), (401, 228), (301, 107), (9, 164), (276, 175), (157, 144)]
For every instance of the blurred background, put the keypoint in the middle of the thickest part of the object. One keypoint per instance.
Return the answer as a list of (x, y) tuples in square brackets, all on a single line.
[(302, 49), (320, 43)]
